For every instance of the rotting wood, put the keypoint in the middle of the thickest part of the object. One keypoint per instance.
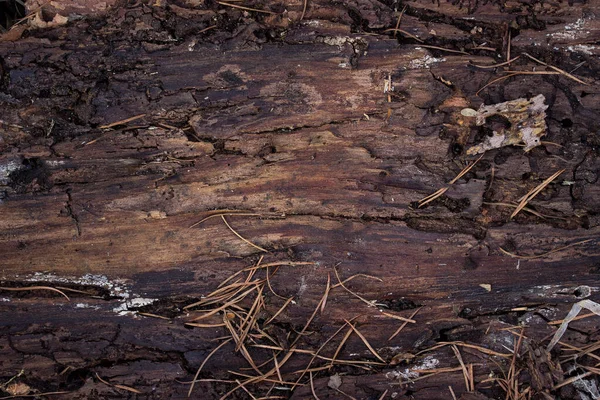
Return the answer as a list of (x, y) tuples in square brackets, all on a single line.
[(285, 116)]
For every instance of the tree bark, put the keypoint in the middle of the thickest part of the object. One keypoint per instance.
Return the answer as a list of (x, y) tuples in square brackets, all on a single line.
[(120, 132)]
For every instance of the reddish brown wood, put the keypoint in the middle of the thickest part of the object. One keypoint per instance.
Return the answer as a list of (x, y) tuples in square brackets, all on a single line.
[(288, 119)]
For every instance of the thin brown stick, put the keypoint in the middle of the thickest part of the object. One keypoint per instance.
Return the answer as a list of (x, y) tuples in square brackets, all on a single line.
[(339, 348), (243, 387), (558, 322), (465, 170), (241, 237), (369, 303), (269, 275), (452, 392), (245, 8), (534, 192), (37, 395), (443, 49), (27, 288), (526, 209), (568, 75), (309, 320), (571, 380), (402, 31), (312, 387), (344, 394), (441, 191), (123, 121), (462, 366), (432, 196), (399, 19), (302, 373), (327, 289), (221, 213), (496, 65), (204, 362), (471, 346), (304, 6), (404, 324), (508, 253), (118, 386), (365, 341), (287, 302), (206, 29), (224, 306), (153, 315), (494, 81), (411, 321)]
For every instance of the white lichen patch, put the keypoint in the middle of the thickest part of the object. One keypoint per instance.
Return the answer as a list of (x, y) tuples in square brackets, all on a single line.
[(124, 308), (582, 48), (571, 31), (6, 169), (85, 305), (424, 62), (116, 287), (407, 374)]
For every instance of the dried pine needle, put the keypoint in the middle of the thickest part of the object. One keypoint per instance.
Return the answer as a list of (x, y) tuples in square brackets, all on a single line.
[(443, 49), (241, 237), (123, 121), (287, 302), (399, 19), (27, 288), (404, 324), (568, 75), (312, 386), (412, 321), (496, 65), (221, 213), (123, 387), (508, 253), (327, 289), (204, 362), (245, 8), (402, 31), (438, 193), (534, 192), (304, 9), (365, 341), (369, 303)]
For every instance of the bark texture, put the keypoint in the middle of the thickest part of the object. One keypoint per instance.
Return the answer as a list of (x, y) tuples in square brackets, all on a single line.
[(288, 119)]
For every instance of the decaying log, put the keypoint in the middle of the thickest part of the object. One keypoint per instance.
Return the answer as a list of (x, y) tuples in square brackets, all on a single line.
[(119, 132)]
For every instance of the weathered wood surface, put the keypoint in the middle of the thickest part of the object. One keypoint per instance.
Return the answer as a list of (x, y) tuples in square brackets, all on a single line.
[(288, 119)]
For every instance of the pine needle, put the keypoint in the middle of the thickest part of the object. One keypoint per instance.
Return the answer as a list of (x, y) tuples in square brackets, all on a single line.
[(245, 8), (123, 121), (496, 65), (241, 237), (369, 303), (204, 362), (534, 192), (312, 387), (568, 75), (404, 324), (508, 253), (27, 288), (365, 341)]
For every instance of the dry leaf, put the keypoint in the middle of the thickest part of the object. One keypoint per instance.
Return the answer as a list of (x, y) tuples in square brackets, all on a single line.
[(486, 286), (526, 124), (18, 389), (335, 381)]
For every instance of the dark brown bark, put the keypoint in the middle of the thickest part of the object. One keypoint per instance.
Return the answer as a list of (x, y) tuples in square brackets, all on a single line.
[(288, 119)]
